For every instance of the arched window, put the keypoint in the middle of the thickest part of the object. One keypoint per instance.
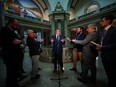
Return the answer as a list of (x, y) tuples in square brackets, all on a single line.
[(92, 8), (71, 12), (45, 15)]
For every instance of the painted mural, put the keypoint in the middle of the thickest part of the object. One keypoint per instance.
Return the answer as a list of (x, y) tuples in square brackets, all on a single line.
[(26, 7)]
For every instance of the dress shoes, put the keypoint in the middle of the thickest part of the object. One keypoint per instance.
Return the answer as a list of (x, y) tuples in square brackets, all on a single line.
[(62, 70), (82, 79), (36, 77), (22, 77), (39, 68), (93, 80), (73, 69), (54, 71), (22, 71), (81, 73)]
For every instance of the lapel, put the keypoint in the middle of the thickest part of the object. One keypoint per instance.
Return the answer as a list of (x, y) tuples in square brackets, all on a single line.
[(108, 32), (56, 37)]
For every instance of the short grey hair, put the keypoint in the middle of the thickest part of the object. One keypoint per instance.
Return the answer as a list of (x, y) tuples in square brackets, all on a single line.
[(93, 25)]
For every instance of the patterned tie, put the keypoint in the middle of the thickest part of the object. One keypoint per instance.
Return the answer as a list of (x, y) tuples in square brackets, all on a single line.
[(103, 36), (57, 38)]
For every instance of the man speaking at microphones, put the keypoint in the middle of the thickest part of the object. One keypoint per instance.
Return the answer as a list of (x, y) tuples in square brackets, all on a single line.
[(57, 40)]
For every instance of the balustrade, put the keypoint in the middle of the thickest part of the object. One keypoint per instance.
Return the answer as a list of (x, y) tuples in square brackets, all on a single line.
[(46, 54)]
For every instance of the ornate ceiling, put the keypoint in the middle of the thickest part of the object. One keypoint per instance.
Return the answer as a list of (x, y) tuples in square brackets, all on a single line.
[(45, 4), (38, 8)]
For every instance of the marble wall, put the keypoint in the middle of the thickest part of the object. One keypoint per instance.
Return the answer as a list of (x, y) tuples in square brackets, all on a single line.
[(46, 54)]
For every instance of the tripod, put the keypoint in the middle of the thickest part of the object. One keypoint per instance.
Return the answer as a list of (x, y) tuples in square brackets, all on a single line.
[(59, 78)]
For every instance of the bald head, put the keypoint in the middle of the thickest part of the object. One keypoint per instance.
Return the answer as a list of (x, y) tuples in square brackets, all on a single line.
[(31, 33), (29, 30)]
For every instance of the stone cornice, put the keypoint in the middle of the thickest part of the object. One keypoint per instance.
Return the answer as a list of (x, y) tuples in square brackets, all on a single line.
[(91, 17)]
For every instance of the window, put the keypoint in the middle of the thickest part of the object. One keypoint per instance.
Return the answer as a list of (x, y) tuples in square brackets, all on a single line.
[(92, 8)]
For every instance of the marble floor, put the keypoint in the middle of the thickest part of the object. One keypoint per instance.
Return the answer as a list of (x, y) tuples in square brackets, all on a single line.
[(67, 79)]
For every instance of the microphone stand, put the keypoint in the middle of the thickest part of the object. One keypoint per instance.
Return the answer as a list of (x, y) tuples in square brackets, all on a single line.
[(59, 78)]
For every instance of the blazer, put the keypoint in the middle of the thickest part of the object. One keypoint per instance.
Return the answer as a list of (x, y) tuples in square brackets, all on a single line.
[(33, 45), (109, 43), (87, 51), (10, 51), (79, 37), (7, 36), (57, 46)]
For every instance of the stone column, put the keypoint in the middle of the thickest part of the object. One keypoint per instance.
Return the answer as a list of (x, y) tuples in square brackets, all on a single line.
[(42, 36), (66, 30), (2, 14), (59, 24), (52, 24)]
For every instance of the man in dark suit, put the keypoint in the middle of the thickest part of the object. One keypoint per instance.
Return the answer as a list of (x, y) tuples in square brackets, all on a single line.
[(11, 48), (108, 48), (57, 41)]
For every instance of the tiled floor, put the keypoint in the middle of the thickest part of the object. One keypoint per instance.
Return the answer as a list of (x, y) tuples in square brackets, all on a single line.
[(47, 74)]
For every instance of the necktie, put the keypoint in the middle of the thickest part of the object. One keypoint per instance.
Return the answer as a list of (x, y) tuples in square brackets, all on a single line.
[(103, 36), (57, 38)]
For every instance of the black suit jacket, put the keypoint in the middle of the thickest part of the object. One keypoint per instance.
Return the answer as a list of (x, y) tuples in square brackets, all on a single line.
[(109, 43), (33, 45), (57, 47), (79, 37), (10, 51)]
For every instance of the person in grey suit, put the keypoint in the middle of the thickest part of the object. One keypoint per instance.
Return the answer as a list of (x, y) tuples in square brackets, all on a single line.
[(89, 54), (108, 48)]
